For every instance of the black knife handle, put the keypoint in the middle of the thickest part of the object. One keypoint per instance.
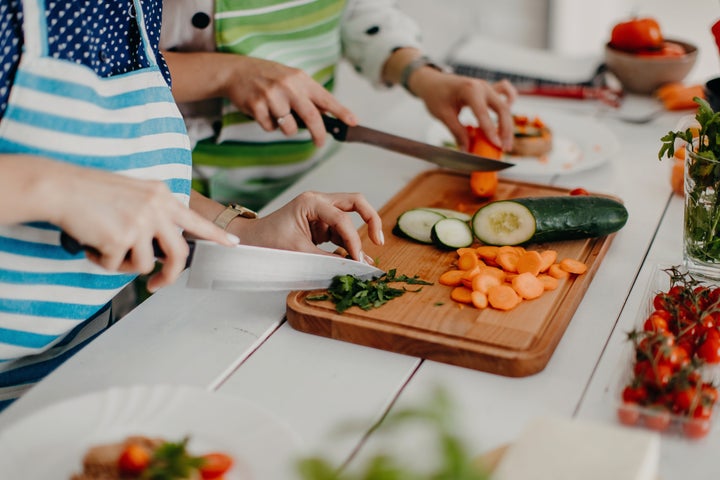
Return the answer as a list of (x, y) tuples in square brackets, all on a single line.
[(337, 128), (71, 245)]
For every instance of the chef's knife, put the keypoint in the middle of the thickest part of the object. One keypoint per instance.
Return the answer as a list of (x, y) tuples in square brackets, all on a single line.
[(444, 157), (251, 268)]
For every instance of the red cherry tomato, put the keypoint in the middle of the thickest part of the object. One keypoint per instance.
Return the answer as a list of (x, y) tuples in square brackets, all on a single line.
[(636, 34), (134, 459), (658, 419), (579, 191), (696, 428), (709, 349), (215, 465), (628, 414)]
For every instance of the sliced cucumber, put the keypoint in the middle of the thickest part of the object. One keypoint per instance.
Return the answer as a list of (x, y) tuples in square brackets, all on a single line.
[(417, 224), (547, 219), (452, 233), (450, 213)]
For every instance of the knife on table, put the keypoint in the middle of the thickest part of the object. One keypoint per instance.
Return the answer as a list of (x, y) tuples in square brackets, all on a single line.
[(249, 268), (443, 157)]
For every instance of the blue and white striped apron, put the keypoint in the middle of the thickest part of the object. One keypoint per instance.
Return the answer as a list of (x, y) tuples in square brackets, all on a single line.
[(51, 302)]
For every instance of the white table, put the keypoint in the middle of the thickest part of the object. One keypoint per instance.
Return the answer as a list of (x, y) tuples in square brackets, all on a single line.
[(239, 344)]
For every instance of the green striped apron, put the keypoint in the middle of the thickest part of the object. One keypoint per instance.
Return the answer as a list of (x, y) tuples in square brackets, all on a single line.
[(244, 163)]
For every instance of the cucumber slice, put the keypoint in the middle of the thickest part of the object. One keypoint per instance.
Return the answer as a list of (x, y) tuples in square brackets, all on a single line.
[(451, 213), (417, 224), (451, 233), (503, 222)]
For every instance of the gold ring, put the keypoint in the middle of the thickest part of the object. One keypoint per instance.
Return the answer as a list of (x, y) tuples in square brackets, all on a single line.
[(281, 120)]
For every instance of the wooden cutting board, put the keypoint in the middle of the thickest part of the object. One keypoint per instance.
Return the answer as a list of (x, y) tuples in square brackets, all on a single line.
[(429, 324)]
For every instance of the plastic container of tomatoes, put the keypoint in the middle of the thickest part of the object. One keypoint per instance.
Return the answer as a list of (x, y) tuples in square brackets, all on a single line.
[(669, 378)]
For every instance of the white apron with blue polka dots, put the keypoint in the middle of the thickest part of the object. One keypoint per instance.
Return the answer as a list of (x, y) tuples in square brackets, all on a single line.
[(51, 302)]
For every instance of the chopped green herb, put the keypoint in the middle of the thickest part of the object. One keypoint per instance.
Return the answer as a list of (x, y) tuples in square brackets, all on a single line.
[(171, 461), (439, 304), (346, 291)]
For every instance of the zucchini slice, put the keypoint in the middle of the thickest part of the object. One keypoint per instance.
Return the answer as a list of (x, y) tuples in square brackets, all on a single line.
[(417, 224), (452, 233), (548, 219)]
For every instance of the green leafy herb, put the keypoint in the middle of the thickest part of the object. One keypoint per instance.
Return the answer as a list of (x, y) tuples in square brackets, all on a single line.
[(346, 291), (171, 461), (455, 462), (702, 202)]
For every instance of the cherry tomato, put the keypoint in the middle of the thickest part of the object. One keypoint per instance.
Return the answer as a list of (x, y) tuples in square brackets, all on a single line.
[(215, 465), (655, 323), (684, 399), (134, 459), (579, 191), (636, 34), (694, 428), (709, 349), (634, 394), (709, 394)]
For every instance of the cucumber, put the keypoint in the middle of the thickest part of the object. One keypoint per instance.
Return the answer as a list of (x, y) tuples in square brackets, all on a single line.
[(547, 219), (417, 224), (452, 233), (449, 213)]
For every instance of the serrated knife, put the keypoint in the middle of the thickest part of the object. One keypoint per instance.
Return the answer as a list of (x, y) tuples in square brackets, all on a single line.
[(250, 268), (443, 157)]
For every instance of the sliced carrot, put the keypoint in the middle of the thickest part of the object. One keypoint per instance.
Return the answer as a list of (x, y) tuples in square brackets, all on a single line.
[(495, 271), (548, 258), (483, 184), (528, 286), (451, 278), (484, 281), (487, 252), (466, 279), (530, 261), (461, 294), (479, 299), (677, 177), (462, 250), (507, 259), (548, 281), (571, 265), (468, 260), (556, 271), (503, 297)]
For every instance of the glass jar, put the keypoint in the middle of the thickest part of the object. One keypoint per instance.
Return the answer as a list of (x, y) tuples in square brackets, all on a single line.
[(701, 233)]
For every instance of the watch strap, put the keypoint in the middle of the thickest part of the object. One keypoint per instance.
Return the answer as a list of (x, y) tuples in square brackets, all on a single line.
[(230, 212), (415, 64)]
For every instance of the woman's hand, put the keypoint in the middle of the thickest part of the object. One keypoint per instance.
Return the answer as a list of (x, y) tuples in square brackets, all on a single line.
[(118, 215), (446, 94), (310, 219), (266, 90)]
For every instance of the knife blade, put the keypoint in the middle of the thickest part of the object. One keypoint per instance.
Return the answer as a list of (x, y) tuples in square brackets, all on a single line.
[(249, 268), (443, 157)]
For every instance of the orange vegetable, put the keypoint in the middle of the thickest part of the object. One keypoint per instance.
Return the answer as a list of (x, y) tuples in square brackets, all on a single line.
[(677, 177), (548, 258), (483, 184), (507, 258), (468, 260), (451, 278), (461, 294), (529, 261), (636, 34), (528, 286), (482, 282), (548, 281), (556, 271), (676, 96), (503, 297), (487, 252), (571, 265), (215, 465), (479, 299)]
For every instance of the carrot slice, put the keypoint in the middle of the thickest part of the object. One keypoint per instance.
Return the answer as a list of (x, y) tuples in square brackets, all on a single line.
[(462, 250), (571, 265), (484, 281), (494, 271), (451, 278), (548, 281), (507, 259), (503, 297), (556, 271), (530, 261), (484, 184), (461, 294), (468, 260), (487, 252), (548, 258), (479, 300), (528, 286)]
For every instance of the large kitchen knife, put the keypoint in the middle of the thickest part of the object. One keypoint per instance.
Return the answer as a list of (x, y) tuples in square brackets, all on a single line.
[(249, 268), (444, 157)]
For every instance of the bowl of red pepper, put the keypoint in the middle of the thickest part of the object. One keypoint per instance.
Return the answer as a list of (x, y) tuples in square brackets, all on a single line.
[(643, 59)]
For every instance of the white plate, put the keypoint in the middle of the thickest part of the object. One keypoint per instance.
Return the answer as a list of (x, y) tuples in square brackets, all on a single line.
[(579, 143), (52, 442)]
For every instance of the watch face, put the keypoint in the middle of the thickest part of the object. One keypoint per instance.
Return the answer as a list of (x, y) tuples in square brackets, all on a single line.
[(243, 211)]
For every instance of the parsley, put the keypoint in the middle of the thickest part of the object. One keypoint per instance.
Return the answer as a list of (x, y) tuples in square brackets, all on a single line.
[(346, 291), (171, 461)]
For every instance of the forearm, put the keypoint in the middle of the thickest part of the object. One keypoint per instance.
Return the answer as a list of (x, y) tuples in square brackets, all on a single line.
[(26, 188), (199, 75)]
